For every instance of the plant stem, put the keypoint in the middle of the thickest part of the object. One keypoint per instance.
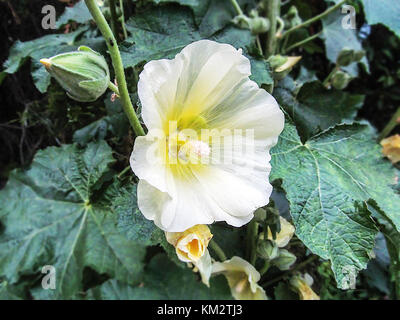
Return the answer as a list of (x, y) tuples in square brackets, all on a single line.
[(113, 14), (237, 7), (252, 230), (394, 121), (313, 19), (217, 249), (117, 64), (259, 45), (328, 78), (113, 88), (300, 43), (273, 11), (265, 268), (121, 4)]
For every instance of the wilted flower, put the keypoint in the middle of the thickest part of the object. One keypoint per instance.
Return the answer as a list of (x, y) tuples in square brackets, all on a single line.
[(84, 74), (391, 148), (282, 237), (242, 278), (303, 284), (190, 104), (191, 246)]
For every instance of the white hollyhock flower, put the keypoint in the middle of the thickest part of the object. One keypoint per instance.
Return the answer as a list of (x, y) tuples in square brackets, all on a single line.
[(188, 174), (242, 278), (191, 247)]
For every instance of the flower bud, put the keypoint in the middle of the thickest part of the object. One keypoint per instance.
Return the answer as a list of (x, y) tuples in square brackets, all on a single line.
[(259, 25), (285, 260), (345, 57), (267, 250), (340, 80), (282, 65), (84, 74), (358, 55)]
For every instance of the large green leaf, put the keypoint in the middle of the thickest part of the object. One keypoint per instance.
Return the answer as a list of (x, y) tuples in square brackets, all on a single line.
[(313, 108), (60, 213), (162, 32), (386, 12), (163, 280), (115, 123), (329, 180), (78, 13), (337, 38)]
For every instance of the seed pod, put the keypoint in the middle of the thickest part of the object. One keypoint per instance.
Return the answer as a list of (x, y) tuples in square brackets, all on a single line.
[(267, 250), (285, 260), (345, 57), (84, 74), (340, 80)]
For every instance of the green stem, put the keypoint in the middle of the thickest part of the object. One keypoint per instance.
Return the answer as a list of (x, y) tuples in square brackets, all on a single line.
[(328, 78), (237, 7), (300, 43), (265, 268), (113, 20), (313, 19), (273, 11), (113, 88), (121, 4), (394, 121), (259, 45), (117, 64), (217, 249), (123, 172), (252, 231)]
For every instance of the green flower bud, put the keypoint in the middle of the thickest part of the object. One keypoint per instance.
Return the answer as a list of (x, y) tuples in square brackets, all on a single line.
[(267, 250), (276, 61), (340, 80), (260, 215), (285, 260), (259, 25), (358, 55), (84, 74), (345, 57)]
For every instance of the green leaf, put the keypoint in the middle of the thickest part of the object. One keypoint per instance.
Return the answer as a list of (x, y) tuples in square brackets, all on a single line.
[(231, 240), (59, 213), (337, 38), (328, 181), (115, 123), (78, 13), (313, 108), (162, 32), (385, 12), (163, 280)]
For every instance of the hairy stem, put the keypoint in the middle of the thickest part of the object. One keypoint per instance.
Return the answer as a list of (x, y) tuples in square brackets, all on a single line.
[(121, 4), (113, 88), (113, 20), (117, 64), (313, 19), (217, 249), (302, 42), (394, 121), (237, 7), (273, 11)]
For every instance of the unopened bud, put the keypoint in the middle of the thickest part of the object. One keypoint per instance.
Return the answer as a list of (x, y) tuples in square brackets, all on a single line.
[(84, 74), (267, 250), (345, 57), (340, 80), (285, 260)]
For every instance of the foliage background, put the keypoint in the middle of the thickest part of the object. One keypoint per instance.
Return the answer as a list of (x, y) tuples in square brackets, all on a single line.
[(118, 255)]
